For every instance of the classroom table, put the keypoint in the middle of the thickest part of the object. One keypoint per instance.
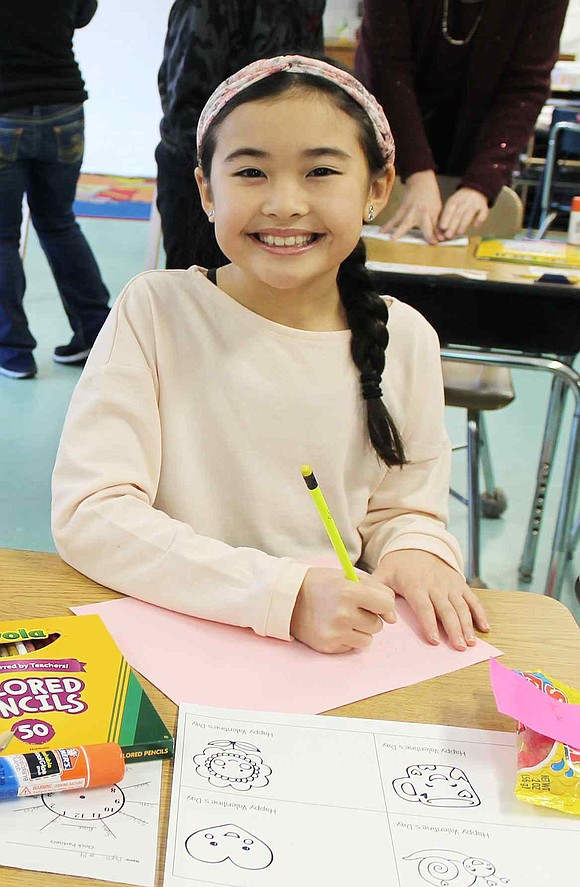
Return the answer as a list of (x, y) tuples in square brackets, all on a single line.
[(533, 631), (505, 319)]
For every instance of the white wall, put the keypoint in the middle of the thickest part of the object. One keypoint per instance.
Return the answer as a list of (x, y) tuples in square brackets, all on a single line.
[(570, 41), (341, 18), (119, 53)]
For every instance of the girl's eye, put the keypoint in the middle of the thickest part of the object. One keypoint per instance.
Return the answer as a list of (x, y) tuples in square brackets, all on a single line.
[(322, 171), (250, 173)]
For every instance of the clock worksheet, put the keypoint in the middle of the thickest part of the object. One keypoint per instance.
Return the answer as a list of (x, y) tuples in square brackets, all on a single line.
[(107, 833)]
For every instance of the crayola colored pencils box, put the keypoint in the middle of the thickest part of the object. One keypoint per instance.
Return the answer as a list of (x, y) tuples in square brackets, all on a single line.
[(64, 682)]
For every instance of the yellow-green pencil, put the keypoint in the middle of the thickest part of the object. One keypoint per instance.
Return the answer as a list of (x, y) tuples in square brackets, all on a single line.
[(328, 521)]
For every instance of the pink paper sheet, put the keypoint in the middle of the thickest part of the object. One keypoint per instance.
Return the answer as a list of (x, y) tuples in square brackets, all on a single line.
[(192, 660), (518, 698)]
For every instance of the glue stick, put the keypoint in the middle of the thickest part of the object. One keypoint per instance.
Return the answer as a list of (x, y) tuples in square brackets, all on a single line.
[(61, 769)]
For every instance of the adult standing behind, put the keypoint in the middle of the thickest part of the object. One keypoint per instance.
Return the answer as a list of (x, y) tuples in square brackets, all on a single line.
[(207, 41), (41, 150), (462, 83)]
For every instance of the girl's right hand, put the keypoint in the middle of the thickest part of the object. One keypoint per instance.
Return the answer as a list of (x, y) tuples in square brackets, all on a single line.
[(332, 614)]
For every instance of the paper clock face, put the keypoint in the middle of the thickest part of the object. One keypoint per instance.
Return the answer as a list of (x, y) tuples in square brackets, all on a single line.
[(86, 804)]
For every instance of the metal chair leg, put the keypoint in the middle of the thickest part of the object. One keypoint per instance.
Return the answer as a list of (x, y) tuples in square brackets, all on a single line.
[(563, 532), (493, 500), (550, 440), (574, 536), (486, 464), (473, 504)]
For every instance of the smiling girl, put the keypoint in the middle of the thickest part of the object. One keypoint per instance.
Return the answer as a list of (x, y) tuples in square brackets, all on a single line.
[(178, 474)]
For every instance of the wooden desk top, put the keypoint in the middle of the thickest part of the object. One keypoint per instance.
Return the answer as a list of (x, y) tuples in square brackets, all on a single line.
[(451, 257), (534, 632)]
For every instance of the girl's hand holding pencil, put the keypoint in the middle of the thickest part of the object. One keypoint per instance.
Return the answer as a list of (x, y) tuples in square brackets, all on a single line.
[(332, 614), (337, 612)]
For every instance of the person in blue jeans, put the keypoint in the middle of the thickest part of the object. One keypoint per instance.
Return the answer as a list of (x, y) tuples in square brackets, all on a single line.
[(41, 151)]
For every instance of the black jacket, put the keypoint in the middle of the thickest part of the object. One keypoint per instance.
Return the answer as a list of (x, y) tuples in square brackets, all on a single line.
[(37, 63), (209, 40)]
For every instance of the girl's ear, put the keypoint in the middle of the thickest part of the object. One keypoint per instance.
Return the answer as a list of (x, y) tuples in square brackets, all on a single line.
[(204, 190), (380, 189)]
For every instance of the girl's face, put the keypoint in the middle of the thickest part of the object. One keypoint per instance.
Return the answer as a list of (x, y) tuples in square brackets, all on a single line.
[(290, 186)]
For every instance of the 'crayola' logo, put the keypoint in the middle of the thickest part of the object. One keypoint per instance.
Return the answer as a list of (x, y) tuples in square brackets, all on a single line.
[(22, 634)]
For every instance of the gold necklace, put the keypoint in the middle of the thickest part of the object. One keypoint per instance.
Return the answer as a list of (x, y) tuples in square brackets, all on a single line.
[(445, 27)]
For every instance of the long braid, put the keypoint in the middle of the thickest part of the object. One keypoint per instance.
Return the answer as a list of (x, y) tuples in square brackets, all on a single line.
[(367, 316)]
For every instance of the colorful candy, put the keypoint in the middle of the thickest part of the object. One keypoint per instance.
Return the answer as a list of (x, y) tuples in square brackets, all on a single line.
[(548, 771)]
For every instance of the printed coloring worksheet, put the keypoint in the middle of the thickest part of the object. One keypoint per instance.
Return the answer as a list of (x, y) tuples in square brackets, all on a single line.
[(108, 833), (280, 800)]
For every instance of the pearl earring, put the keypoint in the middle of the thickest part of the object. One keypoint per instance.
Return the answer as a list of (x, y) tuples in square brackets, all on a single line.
[(371, 213), (211, 214)]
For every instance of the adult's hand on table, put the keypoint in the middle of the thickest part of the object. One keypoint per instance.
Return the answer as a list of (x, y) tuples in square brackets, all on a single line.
[(436, 593), (335, 615), (464, 208), (420, 208)]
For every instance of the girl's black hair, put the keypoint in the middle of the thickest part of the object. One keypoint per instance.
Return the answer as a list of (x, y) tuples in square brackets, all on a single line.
[(367, 312)]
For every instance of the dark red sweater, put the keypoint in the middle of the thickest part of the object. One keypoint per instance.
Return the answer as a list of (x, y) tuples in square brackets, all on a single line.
[(503, 82)]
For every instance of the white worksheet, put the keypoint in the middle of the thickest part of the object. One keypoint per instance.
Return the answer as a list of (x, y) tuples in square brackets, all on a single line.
[(280, 800), (414, 236), (400, 268), (106, 833)]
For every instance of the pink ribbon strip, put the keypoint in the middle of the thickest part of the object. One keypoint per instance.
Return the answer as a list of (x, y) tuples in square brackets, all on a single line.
[(517, 697)]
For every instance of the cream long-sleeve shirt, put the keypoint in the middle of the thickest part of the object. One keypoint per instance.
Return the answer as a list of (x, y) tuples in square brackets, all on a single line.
[(178, 481)]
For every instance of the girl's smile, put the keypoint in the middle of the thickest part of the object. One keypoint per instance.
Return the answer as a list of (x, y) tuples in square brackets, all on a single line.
[(287, 241)]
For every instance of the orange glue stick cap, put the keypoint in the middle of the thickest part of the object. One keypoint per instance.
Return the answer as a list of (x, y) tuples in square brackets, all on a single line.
[(105, 764)]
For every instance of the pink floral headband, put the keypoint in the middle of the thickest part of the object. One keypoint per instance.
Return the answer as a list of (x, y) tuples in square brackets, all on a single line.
[(299, 65)]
